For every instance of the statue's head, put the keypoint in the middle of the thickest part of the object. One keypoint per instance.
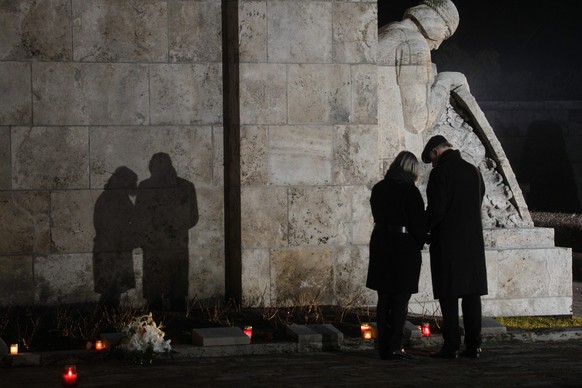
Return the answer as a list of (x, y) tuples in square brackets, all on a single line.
[(438, 19)]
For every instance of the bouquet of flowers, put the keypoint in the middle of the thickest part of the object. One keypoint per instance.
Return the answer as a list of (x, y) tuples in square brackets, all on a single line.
[(142, 338)]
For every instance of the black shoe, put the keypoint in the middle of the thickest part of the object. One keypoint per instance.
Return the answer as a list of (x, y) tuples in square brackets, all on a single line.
[(471, 353), (443, 353), (397, 355)]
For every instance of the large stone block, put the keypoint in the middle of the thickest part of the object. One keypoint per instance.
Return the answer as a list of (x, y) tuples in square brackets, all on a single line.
[(264, 220), (16, 287), (195, 31), (252, 31), (256, 284), (33, 29), (64, 279), (186, 94), (364, 94), (521, 282), (253, 154), (189, 148), (310, 25), (24, 222), (302, 276), (120, 31), (390, 118), (519, 238), (355, 32), (72, 229), (90, 94), (206, 273), (209, 232), (355, 155), (50, 158), (15, 84), (300, 155), (263, 93), (320, 215), (351, 272), (5, 164), (319, 94), (362, 220)]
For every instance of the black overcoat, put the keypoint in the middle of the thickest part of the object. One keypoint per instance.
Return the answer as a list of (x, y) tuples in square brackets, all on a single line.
[(455, 192), (395, 258)]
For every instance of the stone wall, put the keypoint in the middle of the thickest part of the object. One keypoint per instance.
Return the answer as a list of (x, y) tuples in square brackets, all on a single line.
[(87, 87), (309, 149)]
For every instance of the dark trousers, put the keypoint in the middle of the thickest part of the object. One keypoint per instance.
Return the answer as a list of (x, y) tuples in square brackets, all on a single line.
[(390, 316), (471, 306)]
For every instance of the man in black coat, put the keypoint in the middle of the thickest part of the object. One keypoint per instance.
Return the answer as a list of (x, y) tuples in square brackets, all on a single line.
[(455, 192)]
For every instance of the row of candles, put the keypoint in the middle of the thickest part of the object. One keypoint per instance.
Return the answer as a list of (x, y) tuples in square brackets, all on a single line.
[(366, 330), (14, 347)]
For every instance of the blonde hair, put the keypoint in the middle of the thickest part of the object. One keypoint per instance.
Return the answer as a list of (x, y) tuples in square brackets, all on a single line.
[(407, 162)]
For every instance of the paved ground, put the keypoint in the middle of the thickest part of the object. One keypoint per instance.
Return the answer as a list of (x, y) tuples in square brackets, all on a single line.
[(503, 364), (533, 364)]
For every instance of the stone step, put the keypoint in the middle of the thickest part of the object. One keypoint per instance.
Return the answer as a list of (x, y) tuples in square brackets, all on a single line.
[(219, 336)]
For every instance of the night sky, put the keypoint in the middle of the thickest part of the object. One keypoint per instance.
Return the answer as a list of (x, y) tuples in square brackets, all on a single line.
[(510, 49)]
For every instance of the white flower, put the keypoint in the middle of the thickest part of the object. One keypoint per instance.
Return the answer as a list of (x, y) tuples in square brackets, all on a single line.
[(142, 334)]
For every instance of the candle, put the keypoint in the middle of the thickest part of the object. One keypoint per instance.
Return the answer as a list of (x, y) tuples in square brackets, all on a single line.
[(366, 330), (425, 330), (98, 345), (248, 330), (14, 349), (70, 375)]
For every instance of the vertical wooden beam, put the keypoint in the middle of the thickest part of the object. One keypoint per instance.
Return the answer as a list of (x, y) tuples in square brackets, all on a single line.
[(231, 122)]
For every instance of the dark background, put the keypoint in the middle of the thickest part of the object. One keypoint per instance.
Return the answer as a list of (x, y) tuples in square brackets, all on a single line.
[(510, 49)]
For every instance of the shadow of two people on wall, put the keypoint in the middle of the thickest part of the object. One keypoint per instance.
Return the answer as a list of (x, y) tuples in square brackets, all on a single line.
[(165, 209)]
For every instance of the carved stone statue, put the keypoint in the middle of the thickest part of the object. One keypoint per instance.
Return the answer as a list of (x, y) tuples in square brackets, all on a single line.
[(441, 103)]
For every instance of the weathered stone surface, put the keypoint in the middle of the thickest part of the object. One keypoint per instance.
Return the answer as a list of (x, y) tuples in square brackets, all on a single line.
[(219, 336), (355, 32), (24, 222), (253, 155), (302, 276), (120, 31), (50, 157), (195, 31), (90, 93), (64, 279), (362, 221), (263, 93), (186, 94), (364, 94), (253, 31), (256, 277), (15, 83), (218, 155), (356, 156), (35, 29), (319, 94), (310, 25), (264, 217), (190, 149), (72, 227), (16, 287), (390, 123), (206, 275), (521, 282), (319, 215), (351, 272), (209, 232), (501, 238), (5, 173), (300, 155)]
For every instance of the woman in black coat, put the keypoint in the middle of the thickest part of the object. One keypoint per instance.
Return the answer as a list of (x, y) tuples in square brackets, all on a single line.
[(395, 250)]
